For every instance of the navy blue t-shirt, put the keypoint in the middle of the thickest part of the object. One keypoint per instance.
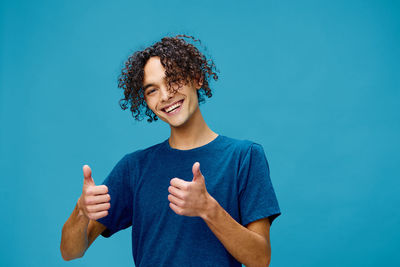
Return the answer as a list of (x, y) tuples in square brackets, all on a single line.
[(236, 174)]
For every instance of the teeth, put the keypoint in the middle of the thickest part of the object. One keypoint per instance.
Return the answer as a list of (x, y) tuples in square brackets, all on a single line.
[(173, 107)]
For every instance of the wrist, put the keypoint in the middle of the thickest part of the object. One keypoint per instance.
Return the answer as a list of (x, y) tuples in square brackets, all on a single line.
[(79, 209), (210, 209)]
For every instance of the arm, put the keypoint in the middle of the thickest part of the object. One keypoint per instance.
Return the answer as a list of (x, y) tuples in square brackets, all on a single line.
[(78, 233), (250, 246), (81, 228)]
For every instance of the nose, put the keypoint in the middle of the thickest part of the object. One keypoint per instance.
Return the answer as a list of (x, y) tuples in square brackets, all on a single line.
[(165, 94)]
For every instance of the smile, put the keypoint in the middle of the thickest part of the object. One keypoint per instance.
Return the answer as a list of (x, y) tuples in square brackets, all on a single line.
[(173, 109)]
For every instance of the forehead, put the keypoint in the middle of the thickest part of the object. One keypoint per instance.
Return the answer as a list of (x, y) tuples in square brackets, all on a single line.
[(153, 71)]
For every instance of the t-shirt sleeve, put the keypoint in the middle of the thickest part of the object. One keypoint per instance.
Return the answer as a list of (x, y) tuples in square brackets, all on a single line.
[(257, 197), (119, 188)]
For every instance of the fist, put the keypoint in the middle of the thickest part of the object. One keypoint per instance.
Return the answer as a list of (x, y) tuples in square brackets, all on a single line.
[(95, 200)]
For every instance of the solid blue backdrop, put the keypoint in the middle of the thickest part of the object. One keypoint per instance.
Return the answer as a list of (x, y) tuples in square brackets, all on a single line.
[(315, 82)]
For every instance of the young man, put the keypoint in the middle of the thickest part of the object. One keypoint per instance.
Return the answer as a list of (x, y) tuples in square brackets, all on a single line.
[(196, 199)]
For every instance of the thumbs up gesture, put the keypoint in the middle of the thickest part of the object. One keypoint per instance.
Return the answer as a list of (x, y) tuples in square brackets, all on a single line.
[(95, 200), (190, 198)]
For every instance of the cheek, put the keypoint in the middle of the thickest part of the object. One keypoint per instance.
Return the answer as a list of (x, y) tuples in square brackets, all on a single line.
[(150, 103), (195, 100)]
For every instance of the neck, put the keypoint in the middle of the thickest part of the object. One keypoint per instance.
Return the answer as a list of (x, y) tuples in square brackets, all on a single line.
[(194, 133)]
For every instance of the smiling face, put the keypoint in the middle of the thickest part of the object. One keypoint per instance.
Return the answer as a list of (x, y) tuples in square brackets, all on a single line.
[(173, 108)]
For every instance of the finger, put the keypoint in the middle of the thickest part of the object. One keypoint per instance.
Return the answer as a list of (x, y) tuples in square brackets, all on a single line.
[(96, 190), (92, 200), (98, 215), (176, 192), (179, 183), (196, 171), (178, 202), (98, 207), (176, 209), (87, 174)]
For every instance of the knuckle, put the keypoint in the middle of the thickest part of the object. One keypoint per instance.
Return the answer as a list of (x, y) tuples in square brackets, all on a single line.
[(86, 201), (90, 201)]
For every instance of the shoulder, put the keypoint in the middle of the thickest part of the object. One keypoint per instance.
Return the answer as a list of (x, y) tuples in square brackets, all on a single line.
[(143, 154), (131, 163), (247, 152), (243, 146)]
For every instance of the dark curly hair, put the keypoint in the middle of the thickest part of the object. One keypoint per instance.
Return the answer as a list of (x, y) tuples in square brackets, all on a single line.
[(183, 64)]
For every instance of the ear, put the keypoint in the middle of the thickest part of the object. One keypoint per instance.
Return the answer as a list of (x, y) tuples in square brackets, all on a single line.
[(199, 83)]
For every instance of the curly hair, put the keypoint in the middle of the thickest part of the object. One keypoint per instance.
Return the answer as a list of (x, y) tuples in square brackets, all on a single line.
[(183, 63)]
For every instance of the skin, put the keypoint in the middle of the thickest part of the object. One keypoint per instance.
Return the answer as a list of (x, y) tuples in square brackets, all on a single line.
[(188, 128), (250, 245), (81, 228)]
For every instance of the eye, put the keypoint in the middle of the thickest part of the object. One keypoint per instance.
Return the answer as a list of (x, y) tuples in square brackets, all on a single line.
[(150, 91)]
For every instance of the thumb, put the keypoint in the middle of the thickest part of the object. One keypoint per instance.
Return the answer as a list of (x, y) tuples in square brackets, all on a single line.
[(87, 174), (196, 171)]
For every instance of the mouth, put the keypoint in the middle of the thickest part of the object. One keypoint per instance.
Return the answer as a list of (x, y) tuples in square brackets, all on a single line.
[(174, 108)]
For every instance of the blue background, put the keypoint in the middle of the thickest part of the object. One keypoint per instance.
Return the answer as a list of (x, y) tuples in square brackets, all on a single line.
[(315, 82)]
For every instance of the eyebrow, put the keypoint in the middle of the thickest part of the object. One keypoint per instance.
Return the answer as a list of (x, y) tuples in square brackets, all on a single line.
[(147, 85), (151, 84)]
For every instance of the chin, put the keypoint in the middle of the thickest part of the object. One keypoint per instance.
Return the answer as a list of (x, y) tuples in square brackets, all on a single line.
[(176, 123)]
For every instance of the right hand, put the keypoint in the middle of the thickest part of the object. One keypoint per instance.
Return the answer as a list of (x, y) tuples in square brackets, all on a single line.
[(95, 200)]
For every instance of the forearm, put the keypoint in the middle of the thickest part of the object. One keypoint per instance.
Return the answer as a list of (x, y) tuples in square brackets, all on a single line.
[(74, 240), (246, 246)]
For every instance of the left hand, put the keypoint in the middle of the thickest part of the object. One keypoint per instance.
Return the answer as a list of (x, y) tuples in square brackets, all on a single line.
[(189, 198)]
